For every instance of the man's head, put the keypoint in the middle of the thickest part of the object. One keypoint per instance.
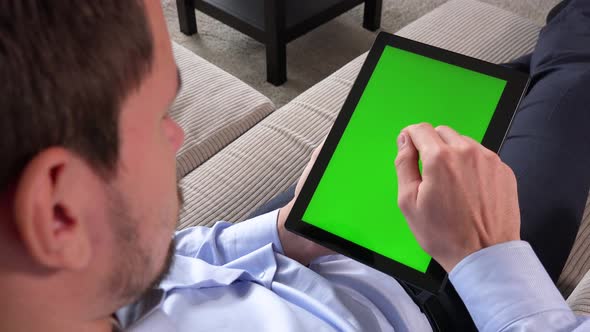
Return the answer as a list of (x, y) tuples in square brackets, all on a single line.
[(88, 194)]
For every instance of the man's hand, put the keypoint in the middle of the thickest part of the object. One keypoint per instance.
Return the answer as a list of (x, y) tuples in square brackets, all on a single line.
[(294, 246), (464, 200)]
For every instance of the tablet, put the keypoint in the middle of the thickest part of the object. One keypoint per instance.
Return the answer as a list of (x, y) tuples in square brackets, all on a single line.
[(349, 200)]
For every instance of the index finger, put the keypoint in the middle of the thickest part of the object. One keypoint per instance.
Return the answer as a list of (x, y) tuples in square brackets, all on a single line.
[(424, 136)]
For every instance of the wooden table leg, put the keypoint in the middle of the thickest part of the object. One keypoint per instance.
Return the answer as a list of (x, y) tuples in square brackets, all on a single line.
[(276, 45), (372, 16), (186, 16), (276, 62)]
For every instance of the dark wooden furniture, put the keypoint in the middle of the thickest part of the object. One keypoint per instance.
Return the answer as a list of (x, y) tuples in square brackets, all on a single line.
[(274, 22)]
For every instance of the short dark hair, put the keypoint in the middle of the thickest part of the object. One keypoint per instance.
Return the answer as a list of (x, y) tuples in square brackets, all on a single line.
[(66, 67)]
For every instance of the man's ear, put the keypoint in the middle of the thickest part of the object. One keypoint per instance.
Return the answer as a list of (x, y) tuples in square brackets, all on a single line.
[(47, 216)]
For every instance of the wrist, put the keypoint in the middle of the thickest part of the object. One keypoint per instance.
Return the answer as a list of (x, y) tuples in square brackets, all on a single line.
[(285, 236), (294, 246), (284, 212)]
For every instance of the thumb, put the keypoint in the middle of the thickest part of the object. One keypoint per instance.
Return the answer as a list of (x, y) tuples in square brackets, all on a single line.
[(408, 173)]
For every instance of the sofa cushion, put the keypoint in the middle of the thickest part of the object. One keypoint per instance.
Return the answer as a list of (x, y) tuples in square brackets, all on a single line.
[(476, 29), (213, 107), (270, 157)]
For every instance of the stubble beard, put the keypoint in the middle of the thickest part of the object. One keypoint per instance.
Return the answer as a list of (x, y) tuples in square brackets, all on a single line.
[(133, 263)]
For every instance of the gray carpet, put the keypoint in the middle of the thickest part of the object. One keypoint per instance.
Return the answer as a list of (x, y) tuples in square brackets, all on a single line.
[(317, 54)]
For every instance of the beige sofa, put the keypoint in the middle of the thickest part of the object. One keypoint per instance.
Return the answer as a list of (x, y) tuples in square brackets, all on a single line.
[(240, 151)]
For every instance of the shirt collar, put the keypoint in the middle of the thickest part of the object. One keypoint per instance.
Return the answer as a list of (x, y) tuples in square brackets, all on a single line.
[(147, 303)]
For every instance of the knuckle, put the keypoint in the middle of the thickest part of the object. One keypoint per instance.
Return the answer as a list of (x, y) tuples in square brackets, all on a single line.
[(411, 128), (467, 138), (463, 149), (404, 202), (469, 149), (439, 154), (493, 157), (400, 160), (489, 156), (424, 125), (436, 157)]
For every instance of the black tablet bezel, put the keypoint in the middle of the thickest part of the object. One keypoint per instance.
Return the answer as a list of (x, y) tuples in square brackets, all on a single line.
[(435, 277)]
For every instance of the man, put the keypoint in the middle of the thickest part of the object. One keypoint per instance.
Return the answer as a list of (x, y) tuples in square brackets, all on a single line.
[(88, 204), (89, 197)]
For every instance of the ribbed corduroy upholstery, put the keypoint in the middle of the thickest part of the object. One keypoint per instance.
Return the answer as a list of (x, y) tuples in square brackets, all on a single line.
[(579, 300), (270, 156), (576, 268), (476, 29), (267, 158), (213, 107)]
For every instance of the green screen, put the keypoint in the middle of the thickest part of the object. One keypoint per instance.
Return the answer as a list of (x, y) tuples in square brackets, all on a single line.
[(356, 198)]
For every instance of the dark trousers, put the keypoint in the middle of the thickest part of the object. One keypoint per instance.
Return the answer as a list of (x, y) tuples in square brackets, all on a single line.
[(548, 145)]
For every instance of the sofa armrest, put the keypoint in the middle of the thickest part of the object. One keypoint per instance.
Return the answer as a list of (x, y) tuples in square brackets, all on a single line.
[(575, 274), (213, 107), (579, 300)]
